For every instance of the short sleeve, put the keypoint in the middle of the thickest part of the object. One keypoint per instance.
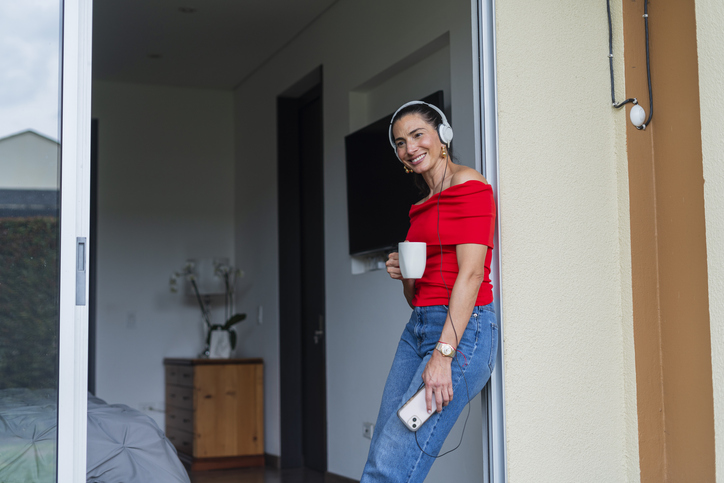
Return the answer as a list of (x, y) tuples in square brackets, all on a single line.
[(467, 214)]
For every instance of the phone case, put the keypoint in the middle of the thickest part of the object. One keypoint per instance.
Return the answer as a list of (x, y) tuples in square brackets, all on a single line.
[(414, 413)]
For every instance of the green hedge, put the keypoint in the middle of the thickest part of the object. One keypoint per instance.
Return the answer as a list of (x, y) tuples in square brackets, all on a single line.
[(29, 302)]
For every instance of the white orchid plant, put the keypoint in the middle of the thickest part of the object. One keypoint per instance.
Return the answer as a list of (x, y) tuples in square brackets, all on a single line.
[(229, 275)]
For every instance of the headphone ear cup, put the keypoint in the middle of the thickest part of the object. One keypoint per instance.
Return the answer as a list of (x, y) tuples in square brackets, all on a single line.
[(445, 132)]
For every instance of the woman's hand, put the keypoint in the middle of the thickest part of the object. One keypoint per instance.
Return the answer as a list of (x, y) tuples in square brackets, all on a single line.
[(437, 377), (437, 374), (393, 266), (408, 284)]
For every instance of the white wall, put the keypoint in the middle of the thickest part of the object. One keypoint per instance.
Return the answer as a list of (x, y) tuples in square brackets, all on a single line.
[(566, 270), (367, 51), (166, 174), (710, 39)]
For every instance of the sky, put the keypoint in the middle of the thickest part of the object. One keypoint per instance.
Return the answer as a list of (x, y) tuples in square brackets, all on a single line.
[(29, 67)]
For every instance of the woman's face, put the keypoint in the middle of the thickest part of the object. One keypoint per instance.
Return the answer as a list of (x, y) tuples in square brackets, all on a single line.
[(417, 142)]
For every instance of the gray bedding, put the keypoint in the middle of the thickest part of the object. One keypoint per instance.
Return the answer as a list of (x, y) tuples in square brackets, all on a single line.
[(124, 445)]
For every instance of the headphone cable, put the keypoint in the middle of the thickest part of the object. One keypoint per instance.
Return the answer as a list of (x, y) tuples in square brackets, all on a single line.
[(452, 323)]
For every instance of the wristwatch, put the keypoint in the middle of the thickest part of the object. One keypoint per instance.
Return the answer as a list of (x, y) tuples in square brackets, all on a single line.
[(445, 349)]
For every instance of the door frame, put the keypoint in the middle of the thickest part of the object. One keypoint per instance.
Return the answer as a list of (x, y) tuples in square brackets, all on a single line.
[(485, 105), (92, 258), (77, 17), (290, 295)]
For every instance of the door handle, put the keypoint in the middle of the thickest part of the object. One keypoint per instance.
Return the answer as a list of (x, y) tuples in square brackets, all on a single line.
[(80, 269), (320, 331)]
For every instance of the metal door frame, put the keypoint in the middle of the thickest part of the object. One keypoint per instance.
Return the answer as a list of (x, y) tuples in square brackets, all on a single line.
[(485, 104), (77, 18)]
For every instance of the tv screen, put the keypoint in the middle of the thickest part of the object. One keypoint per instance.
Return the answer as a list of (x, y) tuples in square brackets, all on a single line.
[(379, 192)]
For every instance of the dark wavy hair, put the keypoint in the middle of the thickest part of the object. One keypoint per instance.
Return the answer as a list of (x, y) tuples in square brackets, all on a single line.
[(433, 118)]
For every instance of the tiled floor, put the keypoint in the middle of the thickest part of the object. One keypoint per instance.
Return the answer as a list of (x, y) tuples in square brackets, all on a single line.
[(257, 475)]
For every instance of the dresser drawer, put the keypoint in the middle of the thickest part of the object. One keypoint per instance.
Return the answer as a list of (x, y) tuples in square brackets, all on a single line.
[(215, 411), (182, 440), (180, 375), (180, 418), (180, 396)]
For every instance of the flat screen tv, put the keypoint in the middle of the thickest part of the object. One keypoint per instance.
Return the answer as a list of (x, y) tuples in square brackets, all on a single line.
[(379, 192)]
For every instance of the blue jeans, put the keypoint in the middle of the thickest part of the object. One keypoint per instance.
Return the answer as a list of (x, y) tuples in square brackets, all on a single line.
[(394, 454)]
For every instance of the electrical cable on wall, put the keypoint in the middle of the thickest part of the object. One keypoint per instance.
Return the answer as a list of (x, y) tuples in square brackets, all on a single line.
[(637, 113), (648, 66), (610, 62)]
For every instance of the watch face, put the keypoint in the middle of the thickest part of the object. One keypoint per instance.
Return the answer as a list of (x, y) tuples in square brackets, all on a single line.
[(445, 349)]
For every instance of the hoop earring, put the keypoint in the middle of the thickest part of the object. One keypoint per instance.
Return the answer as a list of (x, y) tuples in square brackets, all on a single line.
[(444, 152)]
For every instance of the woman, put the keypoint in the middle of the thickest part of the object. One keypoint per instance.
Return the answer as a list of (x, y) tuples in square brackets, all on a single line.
[(452, 302)]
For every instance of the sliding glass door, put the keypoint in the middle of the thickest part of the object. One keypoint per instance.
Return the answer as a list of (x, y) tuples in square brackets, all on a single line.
[(44, 82), (30, 122)]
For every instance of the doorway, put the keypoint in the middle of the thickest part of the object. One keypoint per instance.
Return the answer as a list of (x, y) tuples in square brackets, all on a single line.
[(300, 181)]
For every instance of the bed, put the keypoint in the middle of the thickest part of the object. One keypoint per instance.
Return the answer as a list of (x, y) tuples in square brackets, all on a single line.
[(124, 445)]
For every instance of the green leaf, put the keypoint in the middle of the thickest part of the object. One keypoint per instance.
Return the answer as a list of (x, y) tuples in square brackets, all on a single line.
[(232, 339), (233, 321), (211, 329)]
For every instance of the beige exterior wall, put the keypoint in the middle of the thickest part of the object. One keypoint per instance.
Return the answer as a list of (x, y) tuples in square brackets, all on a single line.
[(566, 264), (710, 39)]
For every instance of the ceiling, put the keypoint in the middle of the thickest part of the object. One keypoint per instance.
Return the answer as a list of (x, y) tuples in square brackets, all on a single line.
[(193, 43)]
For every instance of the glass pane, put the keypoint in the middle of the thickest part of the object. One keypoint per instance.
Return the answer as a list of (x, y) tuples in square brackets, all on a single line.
[(30, 43)]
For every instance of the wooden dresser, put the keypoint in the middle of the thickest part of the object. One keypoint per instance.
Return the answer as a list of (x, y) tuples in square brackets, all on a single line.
[(215, 411)]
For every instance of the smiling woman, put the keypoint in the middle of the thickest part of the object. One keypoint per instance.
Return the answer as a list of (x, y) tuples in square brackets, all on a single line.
[(452, 303), (415, 122)]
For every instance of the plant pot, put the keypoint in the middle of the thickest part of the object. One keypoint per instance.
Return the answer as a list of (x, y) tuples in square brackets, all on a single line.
[(219, 344)]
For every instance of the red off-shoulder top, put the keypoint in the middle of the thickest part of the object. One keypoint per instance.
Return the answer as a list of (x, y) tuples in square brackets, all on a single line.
[(467, 215)]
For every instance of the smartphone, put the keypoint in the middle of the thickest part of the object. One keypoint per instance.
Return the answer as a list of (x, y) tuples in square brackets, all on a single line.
[(414, 413)]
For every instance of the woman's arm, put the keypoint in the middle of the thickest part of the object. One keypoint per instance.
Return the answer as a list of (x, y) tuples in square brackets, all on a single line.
[(437, 375), (408, 284)]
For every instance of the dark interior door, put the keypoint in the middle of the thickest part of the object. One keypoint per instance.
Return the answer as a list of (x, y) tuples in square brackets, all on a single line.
[(92, 258), (301, 284), (314, 423)]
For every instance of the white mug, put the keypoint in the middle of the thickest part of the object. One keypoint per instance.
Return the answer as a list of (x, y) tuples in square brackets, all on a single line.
[(413, 258)]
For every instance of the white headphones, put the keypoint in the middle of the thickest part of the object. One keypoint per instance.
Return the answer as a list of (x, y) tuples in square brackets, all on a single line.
[(444, 130)]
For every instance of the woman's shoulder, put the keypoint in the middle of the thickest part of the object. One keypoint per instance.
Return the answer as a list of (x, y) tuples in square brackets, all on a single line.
[(462, 185), (465, 174)]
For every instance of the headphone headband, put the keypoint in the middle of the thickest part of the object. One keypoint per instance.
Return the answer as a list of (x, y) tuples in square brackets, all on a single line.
[(444, 130)]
